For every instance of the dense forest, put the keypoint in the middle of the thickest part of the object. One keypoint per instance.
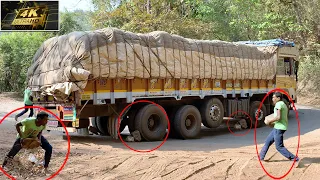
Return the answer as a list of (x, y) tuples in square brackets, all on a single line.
[(228, 20)]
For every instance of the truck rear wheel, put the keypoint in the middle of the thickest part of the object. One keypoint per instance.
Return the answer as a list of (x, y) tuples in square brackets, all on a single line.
[(123, 125), (94, 123), (102, 124), (151, 122), (212, 113), (254, 107), (131, 116), (187, 122)]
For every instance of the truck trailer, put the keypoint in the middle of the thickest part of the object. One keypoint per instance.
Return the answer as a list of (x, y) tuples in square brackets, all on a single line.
[(89, 78)]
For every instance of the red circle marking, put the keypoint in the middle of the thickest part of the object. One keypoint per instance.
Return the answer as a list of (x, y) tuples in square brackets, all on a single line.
[(65, 128), (246, 131), (255, 132), (143, 101)]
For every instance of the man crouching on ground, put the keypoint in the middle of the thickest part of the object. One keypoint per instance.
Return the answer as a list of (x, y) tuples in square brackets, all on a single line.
[(31, 128)]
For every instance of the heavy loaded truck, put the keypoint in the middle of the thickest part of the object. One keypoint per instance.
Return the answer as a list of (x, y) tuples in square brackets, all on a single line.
[(88, 78)]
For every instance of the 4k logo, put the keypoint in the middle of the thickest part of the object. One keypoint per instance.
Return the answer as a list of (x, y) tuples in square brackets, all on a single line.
[(35, 16), (30, 13)]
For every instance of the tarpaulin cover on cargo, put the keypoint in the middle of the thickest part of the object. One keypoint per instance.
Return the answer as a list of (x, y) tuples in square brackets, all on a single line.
[(64, 63)]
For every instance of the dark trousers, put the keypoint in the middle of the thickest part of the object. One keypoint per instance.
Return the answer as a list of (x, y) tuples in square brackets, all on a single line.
[(26, 110), (17, 147), (276, 136)]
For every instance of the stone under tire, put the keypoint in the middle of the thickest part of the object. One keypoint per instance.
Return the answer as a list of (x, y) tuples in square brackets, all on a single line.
[(207, 115), (151, 122), (187, 122), (102, 124), (253, 109)]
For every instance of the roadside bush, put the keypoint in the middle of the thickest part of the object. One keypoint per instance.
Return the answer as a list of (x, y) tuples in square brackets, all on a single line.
[(16, 52), (309, 70)]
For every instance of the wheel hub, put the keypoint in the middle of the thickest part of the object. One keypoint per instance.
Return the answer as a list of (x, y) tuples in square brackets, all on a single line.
[(259, 116), (188, 122), (151, 122), (214, 112)]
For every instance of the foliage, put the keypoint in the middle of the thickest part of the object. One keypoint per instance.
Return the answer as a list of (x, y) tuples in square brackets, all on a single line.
[(310, 64), (17, 50), (230, 20), (156, 15), (73, 21)]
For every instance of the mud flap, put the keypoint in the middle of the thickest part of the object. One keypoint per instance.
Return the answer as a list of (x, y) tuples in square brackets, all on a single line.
[(112, 126)]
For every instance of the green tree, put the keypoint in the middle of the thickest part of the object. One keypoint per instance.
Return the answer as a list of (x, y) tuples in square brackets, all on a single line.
[(73, 21), (152, 15), (16, 52)]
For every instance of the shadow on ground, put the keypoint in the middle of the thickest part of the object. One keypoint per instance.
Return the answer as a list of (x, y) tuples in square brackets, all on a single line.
[(305, 162)]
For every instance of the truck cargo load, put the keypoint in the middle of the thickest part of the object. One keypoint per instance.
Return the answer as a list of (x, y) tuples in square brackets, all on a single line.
[(63, 64)]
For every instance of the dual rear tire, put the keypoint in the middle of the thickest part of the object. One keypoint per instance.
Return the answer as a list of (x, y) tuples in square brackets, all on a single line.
[(101, 124), (152, 123), (254, 113), (186, 123)]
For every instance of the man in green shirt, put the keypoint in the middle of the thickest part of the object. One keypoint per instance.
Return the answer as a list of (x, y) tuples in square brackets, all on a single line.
[(31, 128), (27, 102), (280, 122)]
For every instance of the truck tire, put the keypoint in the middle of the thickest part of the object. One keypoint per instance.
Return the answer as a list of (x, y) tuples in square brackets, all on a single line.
[(187, 122), (253, 110), (102, 123), (151, 122), (123, 124), (94, 123), (212, 113), (132, 114)]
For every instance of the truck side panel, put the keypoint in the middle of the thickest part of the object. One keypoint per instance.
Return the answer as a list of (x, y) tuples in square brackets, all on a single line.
[(112, 89)]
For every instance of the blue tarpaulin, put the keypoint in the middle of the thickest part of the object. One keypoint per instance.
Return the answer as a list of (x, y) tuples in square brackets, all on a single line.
[(271, 42)]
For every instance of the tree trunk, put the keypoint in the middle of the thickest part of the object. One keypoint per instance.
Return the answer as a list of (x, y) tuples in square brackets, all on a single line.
[(318, 34), (148, 7), (299, 19)]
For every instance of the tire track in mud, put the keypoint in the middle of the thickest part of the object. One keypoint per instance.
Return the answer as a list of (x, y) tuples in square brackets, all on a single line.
[(203, 169), (241, 172), (117, 165), (121, 168), (129, 163), (190, 169), (140, 167), (155, 170), (261, 177), (229, 168), (178, 167)]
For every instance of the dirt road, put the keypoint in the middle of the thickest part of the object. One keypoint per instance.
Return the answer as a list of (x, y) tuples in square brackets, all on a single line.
[(217, 155)]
